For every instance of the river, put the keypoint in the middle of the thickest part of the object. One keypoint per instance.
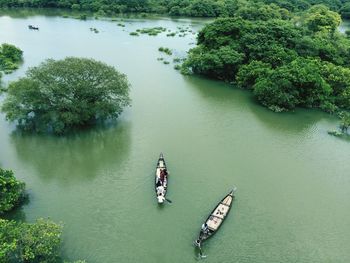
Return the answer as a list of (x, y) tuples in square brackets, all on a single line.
[(292, 177)]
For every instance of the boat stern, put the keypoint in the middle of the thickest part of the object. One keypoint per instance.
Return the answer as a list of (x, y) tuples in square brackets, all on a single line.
[(160, 199)]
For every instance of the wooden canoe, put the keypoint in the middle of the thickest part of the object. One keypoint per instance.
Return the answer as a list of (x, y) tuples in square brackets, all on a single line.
[(161, 180), (216, 218)]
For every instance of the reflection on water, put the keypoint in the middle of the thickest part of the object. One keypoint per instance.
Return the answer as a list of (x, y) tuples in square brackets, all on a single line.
[(74, 157)]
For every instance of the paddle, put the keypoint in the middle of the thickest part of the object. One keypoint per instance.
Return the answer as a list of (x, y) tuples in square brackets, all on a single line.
[(166, 199), (201, 253)]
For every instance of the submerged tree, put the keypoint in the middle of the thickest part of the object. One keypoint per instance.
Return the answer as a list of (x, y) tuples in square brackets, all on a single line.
[(11, 191), (10, 57), (344, 121), (58, 96)]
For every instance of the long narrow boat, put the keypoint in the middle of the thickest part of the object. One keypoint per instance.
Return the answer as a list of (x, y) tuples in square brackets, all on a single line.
[(215, 219), (161, 179)]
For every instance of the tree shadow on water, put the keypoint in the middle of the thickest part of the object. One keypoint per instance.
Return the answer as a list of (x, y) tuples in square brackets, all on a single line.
[(292, 122), (75, 157)]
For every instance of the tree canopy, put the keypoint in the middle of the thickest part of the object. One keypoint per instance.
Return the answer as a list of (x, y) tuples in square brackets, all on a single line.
[(10, 58), (286, 61), (58, 96), (197, 8), (11, 190), (25, 242)]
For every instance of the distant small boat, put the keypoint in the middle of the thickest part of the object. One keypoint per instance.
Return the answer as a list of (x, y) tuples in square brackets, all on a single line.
[(161, 179), (33, 27), (215, 219)]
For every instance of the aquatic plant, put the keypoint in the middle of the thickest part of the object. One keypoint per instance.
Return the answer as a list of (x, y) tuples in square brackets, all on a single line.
[(153, 31), (134, 34), (177, 67), (165, 50)]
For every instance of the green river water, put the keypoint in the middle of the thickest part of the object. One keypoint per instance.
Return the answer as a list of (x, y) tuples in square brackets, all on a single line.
[(292, 177)]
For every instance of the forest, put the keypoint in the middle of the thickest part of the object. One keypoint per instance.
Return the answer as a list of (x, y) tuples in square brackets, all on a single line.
[(287, 61), (195, 8)]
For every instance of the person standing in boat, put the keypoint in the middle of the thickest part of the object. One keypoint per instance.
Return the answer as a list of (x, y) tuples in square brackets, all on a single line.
[(162, 175)]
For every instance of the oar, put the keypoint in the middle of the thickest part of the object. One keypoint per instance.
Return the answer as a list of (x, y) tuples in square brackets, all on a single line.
[(201, 253), (169, 200)]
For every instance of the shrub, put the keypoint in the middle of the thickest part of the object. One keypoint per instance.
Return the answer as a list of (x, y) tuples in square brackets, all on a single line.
[(11, 191)]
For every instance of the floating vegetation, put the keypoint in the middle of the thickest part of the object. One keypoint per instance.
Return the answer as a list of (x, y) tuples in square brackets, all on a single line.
[(166, 62), (94, 30), (121, 25), (171, 34), (134, 34), (177, 67), (151, 31), (160, 59), (165, 50), (177, 60)]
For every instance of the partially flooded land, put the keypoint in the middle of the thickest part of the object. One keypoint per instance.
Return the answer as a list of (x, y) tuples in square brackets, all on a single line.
[(292, 177)]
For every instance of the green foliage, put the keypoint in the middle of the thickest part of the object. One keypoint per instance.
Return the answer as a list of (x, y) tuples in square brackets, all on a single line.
[(285, 61), (320, 18), (23, 242), (134, 34), (296, 84), (83, 17), (177, 67), (151, 31), (344, 121), (345, 10), (58, 96), (11, 191), (10, 58), (264, 9), (248, 74), (165, 50)]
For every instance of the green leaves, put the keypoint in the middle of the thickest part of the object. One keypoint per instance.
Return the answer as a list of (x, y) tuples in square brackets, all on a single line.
[(11, 191), (320, 18), (58, 96), (10, 58), (287, 62), (24, 242)]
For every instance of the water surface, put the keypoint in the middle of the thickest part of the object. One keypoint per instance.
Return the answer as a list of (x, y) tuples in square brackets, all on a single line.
[(292, 177)]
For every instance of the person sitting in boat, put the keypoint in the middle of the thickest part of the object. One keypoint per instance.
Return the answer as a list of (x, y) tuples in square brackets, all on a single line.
[(162, 175), (159, 183), (160, 198), (160, 190)]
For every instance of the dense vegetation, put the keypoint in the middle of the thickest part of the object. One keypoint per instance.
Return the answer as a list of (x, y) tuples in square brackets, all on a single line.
[(286, 61), (61, 95), (202, 8), (24, 242), (11, 191), (10, 58)]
